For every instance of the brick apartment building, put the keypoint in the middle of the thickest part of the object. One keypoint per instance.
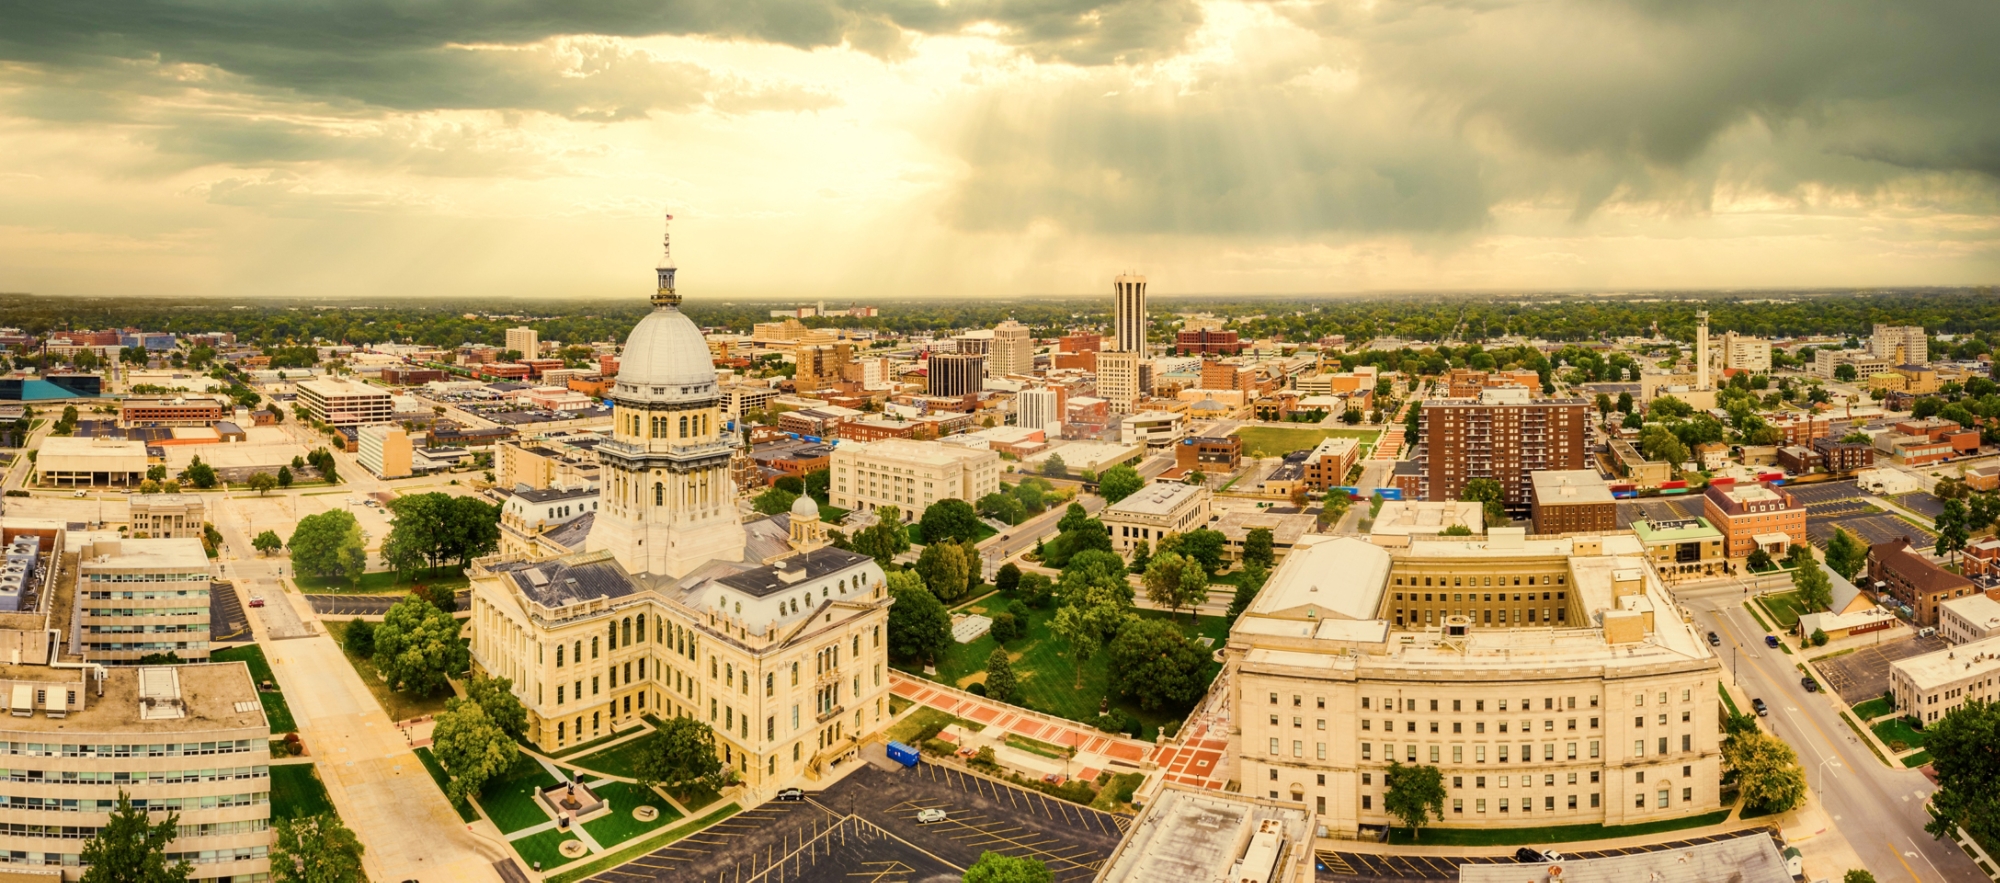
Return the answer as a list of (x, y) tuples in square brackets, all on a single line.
[(1203, 343), (1504, 435), (1912, 579), (1573, 501), (1212, 454), (1838, 456), (1754, 516)]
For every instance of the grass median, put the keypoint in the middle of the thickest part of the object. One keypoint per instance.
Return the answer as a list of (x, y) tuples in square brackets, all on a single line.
[(1549, 834)]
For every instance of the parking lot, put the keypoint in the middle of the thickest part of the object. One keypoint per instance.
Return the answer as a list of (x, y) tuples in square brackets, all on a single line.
[(1921, 503), (1657, 510), (1365, 866), (864, 827), (1877, 527), (369, 605), (1864, 674), (1829, 498), (226, 621)]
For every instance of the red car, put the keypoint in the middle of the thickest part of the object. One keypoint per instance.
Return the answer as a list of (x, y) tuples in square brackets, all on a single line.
[(256, 600)]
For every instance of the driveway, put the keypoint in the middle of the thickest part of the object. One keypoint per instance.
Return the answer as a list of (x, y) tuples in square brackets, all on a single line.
[(1864, 674)]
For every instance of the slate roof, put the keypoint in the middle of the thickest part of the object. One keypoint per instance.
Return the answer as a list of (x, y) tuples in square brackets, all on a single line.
[(571, 534), (556, 583), (764, 581)]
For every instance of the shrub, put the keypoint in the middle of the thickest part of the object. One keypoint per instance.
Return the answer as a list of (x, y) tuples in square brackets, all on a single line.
[(1006, 627), (977, 689), (929, 731), (1118, 721), (360, 639), (939, 747), (1819, 637), (1170, 728)]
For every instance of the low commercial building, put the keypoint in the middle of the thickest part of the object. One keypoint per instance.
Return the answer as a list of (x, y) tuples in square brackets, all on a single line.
[(1931, 685), (1154, 429), (384, 450), (1330, 461), (1886, 481), (1635, 468), (1899, 571), (170, 411), (1077, 457), (1193, 834), (1974, 617), (1549, 680), (1686, 548), (1573, 501), (70, 461), (346, 402), (142, 596), (1414, 518), (167, 516), (1755, 516), (1800, 460), (1213, 454), (910, 475), (1153, 512)]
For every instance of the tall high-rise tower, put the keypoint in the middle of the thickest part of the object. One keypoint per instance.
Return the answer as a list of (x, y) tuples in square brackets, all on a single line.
[(669, 504), (1129, 291), (1701, 350)]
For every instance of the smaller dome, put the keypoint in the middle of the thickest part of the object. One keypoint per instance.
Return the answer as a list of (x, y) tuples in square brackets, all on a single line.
[(805, 508)]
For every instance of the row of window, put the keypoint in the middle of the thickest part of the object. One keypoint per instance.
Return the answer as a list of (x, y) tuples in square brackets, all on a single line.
[(152, 804), (169, 749), (86, 832), (191, 610), (107, 777), (156, 595), (147, 577)]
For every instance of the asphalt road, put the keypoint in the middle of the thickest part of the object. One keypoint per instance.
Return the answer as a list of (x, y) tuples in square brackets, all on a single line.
[(1021, 538), (1879, 810)]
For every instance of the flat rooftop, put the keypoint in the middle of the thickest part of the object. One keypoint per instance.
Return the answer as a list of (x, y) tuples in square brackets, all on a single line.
[(1949, 666), (1748, 859), (1158, 498), (1557, 487), (1202, 835), (180, 555), (331, 387), (212, 696)]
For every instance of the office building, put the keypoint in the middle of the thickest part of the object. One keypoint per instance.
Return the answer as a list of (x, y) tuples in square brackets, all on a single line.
[(1154, 511), (677, 608), (1747, 859), (1118, 381), (170, 411), (1039, 408), (167, 516), (1505, 436), (1900, 344), (1682, 548), (1188, 833), (821, 365), (1425, 518), (1206, 342), (1902, 573), (346, 402), (73, 461), (1743, 352), (973, 343), (1013, 349), (1549, 680), (910, 475), (384, 450), (1971, 618), (142, 596), (954, 374), (1754, 516), (1826, 363), (1573, 501), (1213, 454), (1930, 686), (1129, 314), (1330, 462), (525, 341)]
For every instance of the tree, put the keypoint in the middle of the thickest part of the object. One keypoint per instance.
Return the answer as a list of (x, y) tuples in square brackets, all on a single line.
[(1814, 587), (1845, 554), (1175, 582), (947, 568), (1119, 482), (1257, 548), (1953, 527), (471, 747), (1413, 795), (1818, 637), (1246, 590), (359, 641), (200, 474), (1857, 437), (919, 626), (948, 520), (1008, 578), (1456, 530), (328, 545), (1152, 662), (267, 542), (417, 647), (681, 753), (1857, 875), (1351, 416), (1603, 404), (1205, 546), (819, 485), (167, 658), (1002, 507), (1759, 559), (1054, 467), (130, 849), (1926, 407), (1624, 403), (316, 849), (284, 476), (994, 867), (1000, 683), (776, 501), (885, 539), (1844, 373), (263, 482), (1491, 497), (1076, 627), (156, 473), (1967, 769), (1766, 770), (496, 695)]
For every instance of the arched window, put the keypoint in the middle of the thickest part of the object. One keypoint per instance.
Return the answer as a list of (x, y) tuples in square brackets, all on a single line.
[(593, 648), (559, 656), (659, 494), (559, 731), (641, 620), (594, 717), (684, 427), (576, 653), (628, 631), (611, 641)]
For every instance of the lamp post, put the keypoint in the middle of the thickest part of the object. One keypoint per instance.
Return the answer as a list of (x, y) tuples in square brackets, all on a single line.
[(1822, 777)]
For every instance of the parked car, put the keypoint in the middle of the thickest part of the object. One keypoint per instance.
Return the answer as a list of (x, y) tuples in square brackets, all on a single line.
[(1526, 856), (925, 817), (791, 794), (256, 600), (1759, 706), (1771, 641), (1811, 685), (1714, 640), (1552, 856)]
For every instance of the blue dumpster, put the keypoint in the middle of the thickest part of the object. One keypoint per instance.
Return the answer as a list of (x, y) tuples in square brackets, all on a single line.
[(903, 754)]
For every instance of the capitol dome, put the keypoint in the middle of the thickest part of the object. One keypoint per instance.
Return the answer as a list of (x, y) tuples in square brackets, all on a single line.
[(666, 359), (805, 507)]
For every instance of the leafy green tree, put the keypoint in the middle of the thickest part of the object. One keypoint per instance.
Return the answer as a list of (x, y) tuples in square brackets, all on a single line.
[(1845, 554), (1257, 548), (819, 486), (1759, 559), (1490, 496), (263, 482), (1968, 771), (1153, 663), (1175, 582), (946, 569), (1003, 507), (885, 539), (681, 753), (1953, 527), (1456, 530), (1054, 467), (1624, 403), (994, 867), (919, 626), (496, 695), (359, 641), (1246, 590), (776, 501), (1205, 546), (131, 849), (417, 647), (1767, 771), (1079, 533), (949, 520), (1000, 683), (1006, 627), (1142, 556), (1926, 407), (1095, 577), (1119, 482), (1844, 373), (1815, 588), (1008, 578), (1037, 591), (1413, 795), (1857, 875), (328, 545), (267, 542), (790, 484), (1603, 404), (471, 747), (316, 849), (284, 476), (200, 474), (156, 472), (1076, 627)]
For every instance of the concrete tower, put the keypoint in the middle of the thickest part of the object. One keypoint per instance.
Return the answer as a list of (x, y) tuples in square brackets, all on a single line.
[(1701, 351), (1129, 291)]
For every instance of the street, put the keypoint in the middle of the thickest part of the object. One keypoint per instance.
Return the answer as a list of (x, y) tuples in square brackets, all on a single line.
[(1879, 810)]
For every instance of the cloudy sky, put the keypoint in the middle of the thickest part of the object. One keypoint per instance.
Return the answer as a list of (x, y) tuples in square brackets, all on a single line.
[(852, 149)]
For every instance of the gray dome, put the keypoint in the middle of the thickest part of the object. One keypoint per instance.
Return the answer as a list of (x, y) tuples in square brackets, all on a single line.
[(665, 358), (804, 507)]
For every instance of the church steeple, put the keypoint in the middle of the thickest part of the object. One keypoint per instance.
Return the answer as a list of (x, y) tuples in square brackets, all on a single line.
[(665, 296)]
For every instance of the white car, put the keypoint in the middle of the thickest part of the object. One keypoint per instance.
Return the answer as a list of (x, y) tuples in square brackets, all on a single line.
[(925, 817)]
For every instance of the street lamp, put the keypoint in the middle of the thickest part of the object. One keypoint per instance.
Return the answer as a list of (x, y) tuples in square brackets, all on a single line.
[(1822, 777)]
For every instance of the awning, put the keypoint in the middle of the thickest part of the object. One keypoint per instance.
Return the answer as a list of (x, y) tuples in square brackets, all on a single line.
[(1772, 539)]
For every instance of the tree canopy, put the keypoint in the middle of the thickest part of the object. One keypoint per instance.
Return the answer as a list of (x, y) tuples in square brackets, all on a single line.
[(1767, 771), (329, 545), (994, 867), (919, 626), (947, 569), (1964, 758), (949, 520), (885, 539), (417, 647), (1153, 663), (132, 849), (315, 849), (471, 747), (435, 528), (1119, 482), (1414, 795), (681, 752)]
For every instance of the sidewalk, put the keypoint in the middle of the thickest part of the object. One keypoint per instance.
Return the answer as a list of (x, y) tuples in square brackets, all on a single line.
[(1033, 725)]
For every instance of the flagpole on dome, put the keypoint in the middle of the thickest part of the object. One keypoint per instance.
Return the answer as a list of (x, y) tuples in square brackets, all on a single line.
[(664, 296)]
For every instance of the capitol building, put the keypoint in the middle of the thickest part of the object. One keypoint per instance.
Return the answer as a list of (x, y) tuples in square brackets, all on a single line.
[(679, 608)]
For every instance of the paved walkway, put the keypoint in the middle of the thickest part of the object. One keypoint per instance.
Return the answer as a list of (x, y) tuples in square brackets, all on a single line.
[(1084, 739), (1196, 758)]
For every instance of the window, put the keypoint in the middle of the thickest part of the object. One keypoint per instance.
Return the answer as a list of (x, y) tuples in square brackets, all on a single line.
[(1638, 748), (1367, 801), (1274, 745)]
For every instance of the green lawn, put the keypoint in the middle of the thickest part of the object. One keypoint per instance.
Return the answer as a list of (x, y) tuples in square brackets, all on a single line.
[(915, 532), (1550, 834), (1048, 679), (398, 704), (620, 826), (544, 848), (1035, 746), (296, 792), (618, 760), (1896, 730), (1276, 441), (436, 771), (1874, 708), (384, 582), (1918, 759), (1784, 608), (695, 796), (906, 730), (616, 857), (1725, 698), (509, 800), (275, 709)]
